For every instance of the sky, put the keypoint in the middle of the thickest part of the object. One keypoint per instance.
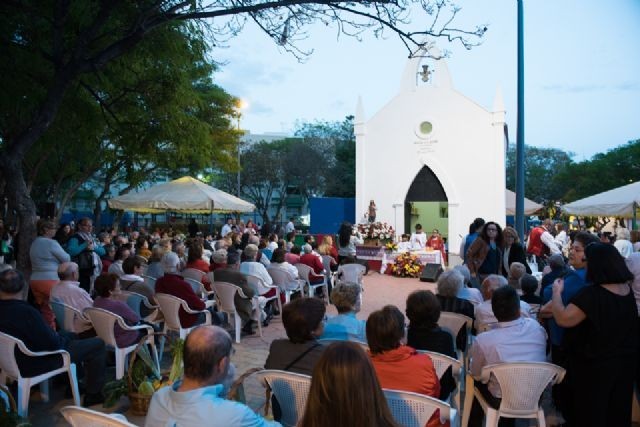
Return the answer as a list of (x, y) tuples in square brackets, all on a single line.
[(582, 72)]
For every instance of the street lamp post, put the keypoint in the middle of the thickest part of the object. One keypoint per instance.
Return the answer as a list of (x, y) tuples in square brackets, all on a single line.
[(240, 105), (519, 220)]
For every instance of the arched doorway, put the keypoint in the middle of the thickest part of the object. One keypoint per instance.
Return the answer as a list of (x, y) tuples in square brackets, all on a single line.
[(426, 204)]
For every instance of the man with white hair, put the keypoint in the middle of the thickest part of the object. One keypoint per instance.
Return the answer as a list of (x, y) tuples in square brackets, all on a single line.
[(623, 242), (199, 398), (252, 267), (69, 292), (468, 292), (261, 257), (484, 312), (172, 283)]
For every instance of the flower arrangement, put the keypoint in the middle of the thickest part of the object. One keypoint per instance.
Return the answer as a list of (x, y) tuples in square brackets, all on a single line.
[(391, 247), (376, 230), (407, 265)]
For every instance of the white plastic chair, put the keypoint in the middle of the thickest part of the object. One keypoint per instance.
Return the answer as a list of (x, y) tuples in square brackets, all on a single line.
[(453, 323), (441, 363), (66, 316), (415, 410), (170, 307), (352, 273), (291, 390), (198, 287), (281, 280), (303, 273), (78, 416), (521, 384), (9, 368), (134, 300), (262, 288), (151, 281), (103, 322), (225, 293)]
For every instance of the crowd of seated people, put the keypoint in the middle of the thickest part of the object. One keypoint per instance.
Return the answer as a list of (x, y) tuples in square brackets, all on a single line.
[(590, 306)]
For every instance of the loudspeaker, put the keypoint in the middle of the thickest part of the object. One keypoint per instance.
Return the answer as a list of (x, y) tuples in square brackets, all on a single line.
[(431, 272)]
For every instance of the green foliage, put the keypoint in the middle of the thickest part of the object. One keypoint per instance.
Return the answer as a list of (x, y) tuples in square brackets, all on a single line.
[(337, 143), (604, 171), (153, 110), (541, 166)]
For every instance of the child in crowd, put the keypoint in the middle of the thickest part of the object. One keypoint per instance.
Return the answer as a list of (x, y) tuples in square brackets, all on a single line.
[(529, 286), (405, 244)]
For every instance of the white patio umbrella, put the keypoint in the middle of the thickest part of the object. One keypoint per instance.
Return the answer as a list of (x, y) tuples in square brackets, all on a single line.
[(529, 205), (621, 202), (185, 194)]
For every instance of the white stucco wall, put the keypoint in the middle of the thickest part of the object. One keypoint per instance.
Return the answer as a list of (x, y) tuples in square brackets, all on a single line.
[(466, 151)]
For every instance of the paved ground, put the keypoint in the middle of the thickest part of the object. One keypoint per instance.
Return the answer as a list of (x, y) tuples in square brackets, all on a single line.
[(250, 353)]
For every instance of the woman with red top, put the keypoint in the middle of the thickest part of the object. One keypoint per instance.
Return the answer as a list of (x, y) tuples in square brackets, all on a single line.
[(398, 366), (195, 262), (327, 248)]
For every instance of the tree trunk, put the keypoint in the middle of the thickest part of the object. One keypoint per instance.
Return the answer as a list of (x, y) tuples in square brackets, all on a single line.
[(19, 200)]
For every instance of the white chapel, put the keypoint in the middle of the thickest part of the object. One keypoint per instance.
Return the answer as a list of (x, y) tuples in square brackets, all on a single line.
[(431, 156)]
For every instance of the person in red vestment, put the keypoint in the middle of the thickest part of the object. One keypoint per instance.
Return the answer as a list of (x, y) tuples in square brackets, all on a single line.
[(436, 242)]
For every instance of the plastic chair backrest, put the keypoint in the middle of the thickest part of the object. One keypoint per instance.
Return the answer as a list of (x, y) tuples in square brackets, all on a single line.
[(8, 362), (326, 263), (454, 322), (303, 271), (280, 277), (522, 384), (441, 362), (413, 409), (351, 273), (151, 281), (65, 315), (257, 284), (170, 307), (195, 285), (291, 390), (82, 417), (132, 299), (103, 322), (192, 273), (225, 293)]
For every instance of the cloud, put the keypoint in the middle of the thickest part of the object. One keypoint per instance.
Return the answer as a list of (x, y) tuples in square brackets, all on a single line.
[(567, 88), (257, 107), (583, 88)]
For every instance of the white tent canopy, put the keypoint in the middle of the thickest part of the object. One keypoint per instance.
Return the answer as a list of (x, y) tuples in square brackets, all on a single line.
[(185, 194), (620, 201), (529, 205)]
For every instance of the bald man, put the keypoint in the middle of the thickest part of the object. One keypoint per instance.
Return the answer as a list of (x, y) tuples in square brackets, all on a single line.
[(199, 398)]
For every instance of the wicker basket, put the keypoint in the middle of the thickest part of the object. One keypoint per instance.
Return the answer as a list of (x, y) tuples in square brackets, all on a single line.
[(139, 402)]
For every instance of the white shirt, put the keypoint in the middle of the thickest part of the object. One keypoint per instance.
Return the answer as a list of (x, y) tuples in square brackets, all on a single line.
[(70, 293), (116, 268), (562, 239), (291, 271), (484, 313), (404, 246), (547, 239), (472, 295), (418, 241), (256, 269), (273, 246), (289, 227), (226, 229), (521, 340), (625, 247)]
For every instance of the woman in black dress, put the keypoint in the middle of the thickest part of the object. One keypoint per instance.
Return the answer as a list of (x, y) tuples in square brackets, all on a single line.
[(601, 340)]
